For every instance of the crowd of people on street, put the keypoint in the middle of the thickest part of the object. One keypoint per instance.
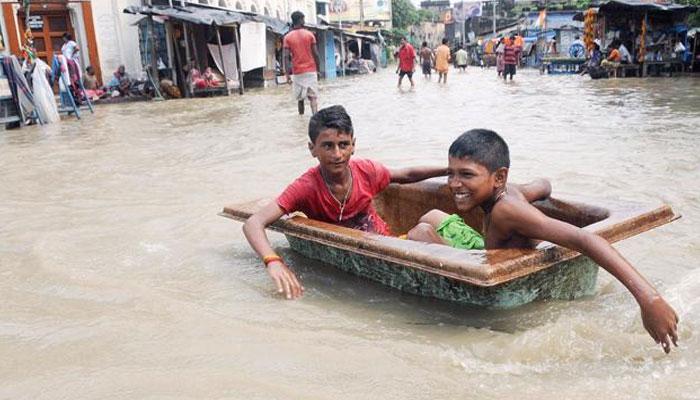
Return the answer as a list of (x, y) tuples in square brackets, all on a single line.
[(508, 52)]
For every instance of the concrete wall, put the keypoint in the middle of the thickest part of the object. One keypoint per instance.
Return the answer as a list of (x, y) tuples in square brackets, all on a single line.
[(117, 38), (281, 9)]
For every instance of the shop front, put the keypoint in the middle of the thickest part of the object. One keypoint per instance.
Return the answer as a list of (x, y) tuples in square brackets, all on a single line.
[(48, 21)]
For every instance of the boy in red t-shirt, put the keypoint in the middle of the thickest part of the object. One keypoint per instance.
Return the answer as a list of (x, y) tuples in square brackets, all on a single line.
[(339, 190)]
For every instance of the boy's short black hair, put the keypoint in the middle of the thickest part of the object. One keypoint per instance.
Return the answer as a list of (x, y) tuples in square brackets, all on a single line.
[(334, 117), (484, 146), (444, 40), (297, 16)]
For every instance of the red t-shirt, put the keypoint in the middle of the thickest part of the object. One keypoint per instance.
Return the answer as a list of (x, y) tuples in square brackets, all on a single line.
[(299, 42), (406, 57), (310, 195), (510, 54)]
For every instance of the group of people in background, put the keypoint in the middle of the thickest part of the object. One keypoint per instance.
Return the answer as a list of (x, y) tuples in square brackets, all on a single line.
[(429, 60)]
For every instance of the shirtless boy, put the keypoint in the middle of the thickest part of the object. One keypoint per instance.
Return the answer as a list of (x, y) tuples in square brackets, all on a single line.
[(478, 165)]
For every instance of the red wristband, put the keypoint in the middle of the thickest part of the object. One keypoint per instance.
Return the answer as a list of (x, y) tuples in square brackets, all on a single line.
[(271, 258)]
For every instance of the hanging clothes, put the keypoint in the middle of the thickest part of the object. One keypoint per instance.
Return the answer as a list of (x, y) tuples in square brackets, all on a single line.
[(67, 80), (21, 93), (43, 93), (229, 61), (253, 46)]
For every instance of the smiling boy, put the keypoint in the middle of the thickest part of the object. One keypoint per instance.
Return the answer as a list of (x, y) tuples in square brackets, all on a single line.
[(339, 190), (478, 165)]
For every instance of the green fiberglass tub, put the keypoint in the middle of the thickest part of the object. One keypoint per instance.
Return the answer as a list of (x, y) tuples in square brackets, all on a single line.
[(490, 278)]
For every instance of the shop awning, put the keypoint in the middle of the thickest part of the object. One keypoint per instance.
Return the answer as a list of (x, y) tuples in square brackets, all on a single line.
[(355, 35), (209, 16), (195, 15), (644, 5)]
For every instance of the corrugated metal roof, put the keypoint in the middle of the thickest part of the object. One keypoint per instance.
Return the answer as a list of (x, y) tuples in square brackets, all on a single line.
[(645, 5), (209, 16)]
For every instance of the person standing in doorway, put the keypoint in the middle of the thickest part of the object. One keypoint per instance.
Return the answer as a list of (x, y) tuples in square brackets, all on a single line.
[(70, 48), (407, 60), (300, 48), (442, 61)]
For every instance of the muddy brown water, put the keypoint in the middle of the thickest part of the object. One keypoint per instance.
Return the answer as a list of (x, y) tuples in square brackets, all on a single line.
[(118, 279)]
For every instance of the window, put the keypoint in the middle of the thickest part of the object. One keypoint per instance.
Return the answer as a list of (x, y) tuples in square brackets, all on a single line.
[(239, 6), (266, 11), (253, 8)]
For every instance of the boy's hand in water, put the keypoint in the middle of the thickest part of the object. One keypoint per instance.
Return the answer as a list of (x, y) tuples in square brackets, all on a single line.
[(285, 280), (661, 322)]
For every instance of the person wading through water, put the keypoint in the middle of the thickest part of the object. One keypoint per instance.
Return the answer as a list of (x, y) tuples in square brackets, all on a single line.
[(300, 46)]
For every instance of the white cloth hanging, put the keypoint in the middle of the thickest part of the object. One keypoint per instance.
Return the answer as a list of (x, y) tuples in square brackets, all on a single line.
[(44, 100), (229, 61), (253, 46)]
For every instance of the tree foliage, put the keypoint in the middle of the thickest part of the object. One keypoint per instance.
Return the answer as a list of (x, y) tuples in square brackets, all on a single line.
[(694, 19), (405, 14), (582, 4), (428, 15)]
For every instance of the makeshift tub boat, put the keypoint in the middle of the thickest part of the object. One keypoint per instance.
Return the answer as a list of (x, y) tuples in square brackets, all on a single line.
[(503, 278)]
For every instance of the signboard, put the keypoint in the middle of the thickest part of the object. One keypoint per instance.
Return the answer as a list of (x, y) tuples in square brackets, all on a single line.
[(463, 10), (36, 22), (349, 10), (447, 17)]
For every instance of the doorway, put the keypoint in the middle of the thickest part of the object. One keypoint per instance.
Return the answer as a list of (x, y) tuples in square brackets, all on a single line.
[(47, 28)]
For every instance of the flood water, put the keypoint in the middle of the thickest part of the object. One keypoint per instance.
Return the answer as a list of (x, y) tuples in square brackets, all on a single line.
[(118, 279)]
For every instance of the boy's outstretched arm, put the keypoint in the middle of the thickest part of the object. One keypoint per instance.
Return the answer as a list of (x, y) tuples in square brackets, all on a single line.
[(659, 319), (254, 230), (415, 174), (539, 189)]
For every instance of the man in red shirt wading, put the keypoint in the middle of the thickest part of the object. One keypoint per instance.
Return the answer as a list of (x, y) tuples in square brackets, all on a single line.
[(407, 56), (300, 45)]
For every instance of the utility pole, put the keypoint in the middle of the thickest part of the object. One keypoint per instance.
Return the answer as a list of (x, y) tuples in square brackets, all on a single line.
[(494, 18), (362, 13)]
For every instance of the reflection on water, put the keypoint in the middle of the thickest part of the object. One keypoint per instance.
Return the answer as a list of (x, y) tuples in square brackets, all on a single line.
[(119, 280)]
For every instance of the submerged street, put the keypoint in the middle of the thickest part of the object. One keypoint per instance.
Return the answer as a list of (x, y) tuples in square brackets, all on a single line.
[(119, 279)]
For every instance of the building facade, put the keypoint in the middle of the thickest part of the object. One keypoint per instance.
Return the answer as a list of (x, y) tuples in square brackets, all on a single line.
[(106, 37), (430, 32), (280, 9)]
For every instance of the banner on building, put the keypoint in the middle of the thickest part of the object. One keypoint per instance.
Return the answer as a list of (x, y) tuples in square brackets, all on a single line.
[(463, 10), (349, 10), (541, 21), (447, 17)]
